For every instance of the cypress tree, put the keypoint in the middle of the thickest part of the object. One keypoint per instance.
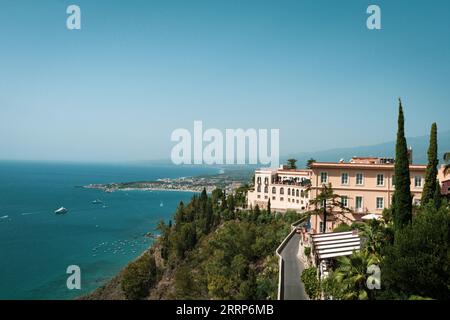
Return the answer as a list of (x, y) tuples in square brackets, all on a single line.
[(209, 218), (180, 215), (402, 205), (223, 202), (203, 197), (437, 197), (430, 176), (256, 211)]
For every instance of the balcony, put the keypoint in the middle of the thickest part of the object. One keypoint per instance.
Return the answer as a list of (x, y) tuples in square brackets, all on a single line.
[(358, 210), (280, 182)]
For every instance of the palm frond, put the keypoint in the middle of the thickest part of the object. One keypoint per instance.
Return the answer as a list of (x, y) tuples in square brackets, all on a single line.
[(447, 157), (447, 169)]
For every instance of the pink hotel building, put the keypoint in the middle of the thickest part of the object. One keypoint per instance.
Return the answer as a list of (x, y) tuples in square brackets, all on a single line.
[(365, 185)]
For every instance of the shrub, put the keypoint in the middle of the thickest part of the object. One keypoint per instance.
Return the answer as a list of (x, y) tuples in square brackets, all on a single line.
[(311, 283), (186, 288), (342, 228), (307, 251), (139, 276), (418, 261)]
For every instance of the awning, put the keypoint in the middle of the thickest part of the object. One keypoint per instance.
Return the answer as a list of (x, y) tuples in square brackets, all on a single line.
[(336, 244)]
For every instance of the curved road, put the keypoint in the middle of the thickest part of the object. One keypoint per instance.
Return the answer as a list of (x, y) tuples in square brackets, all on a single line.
[(293, 268)]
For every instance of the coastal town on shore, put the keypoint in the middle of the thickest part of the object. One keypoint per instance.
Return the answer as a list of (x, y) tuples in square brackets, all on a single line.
[(228, 180)]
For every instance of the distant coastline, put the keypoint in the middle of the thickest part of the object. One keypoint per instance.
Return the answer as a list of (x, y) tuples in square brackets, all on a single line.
[(228, 180)]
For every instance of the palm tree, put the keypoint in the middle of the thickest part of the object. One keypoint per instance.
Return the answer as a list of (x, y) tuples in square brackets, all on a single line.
[(375, 234), (327, 202), (447, 163), (291, 164), (310, 162), (352, 275)]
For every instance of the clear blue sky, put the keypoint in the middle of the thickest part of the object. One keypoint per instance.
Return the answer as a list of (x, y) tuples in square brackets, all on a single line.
[(137, 70)]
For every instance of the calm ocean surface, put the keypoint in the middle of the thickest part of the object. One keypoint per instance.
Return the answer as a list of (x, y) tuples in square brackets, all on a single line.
[(36, 246)]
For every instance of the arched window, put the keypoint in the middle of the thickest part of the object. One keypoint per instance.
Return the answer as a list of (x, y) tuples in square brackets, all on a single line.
[(296, 192), (259, 188), (274, 190), (281, 190), (289, 191), (302, 194), (266, 189)]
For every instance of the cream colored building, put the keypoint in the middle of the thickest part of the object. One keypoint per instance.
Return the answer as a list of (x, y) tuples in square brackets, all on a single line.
[(365, 184), (286, 189)]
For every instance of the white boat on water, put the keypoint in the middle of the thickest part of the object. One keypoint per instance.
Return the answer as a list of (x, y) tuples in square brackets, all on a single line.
[(97, 201), (61, 210)]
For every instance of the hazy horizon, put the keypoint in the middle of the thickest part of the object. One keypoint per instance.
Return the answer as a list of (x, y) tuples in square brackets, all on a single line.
[(167, 160)]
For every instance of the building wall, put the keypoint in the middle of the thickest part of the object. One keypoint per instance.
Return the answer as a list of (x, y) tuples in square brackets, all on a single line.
[(444, 180), (369, 190), (283, 196), (278, 200), (445, 188), (271, 184)]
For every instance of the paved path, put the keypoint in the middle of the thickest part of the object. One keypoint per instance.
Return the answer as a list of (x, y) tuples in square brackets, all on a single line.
[(293, 268)]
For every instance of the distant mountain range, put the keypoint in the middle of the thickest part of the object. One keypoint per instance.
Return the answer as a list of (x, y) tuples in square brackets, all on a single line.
[(387, 149)]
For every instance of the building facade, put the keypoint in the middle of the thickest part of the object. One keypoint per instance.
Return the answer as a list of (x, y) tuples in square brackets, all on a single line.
[(365, 185), (286, 189), (444, 180)]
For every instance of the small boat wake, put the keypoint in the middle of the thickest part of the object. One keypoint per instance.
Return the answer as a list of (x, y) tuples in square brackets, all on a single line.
[(4, 217), (30, 213)]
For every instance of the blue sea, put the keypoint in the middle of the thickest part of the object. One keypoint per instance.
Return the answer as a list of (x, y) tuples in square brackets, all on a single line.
[(37, 246)]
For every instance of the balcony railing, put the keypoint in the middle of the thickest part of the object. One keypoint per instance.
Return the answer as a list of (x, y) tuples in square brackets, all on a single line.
[(291, 183)]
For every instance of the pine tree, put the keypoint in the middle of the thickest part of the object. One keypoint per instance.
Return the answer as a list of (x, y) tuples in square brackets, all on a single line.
[(402, 205), (431, 173)]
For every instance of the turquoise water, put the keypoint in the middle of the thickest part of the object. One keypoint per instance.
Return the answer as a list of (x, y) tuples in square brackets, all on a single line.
[(37, 246)]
